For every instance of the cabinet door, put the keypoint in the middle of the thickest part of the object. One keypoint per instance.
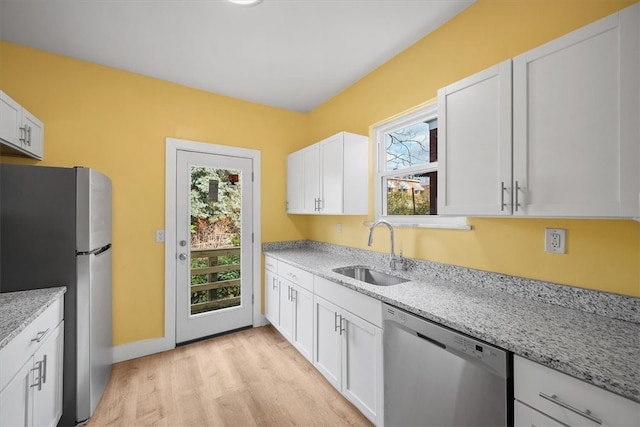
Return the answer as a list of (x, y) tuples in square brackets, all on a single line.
[(272, 298), (294, 182), (576, 108), (285, 325), (34, 137), (302, 336), (10, 120), (527, 417), (362, 366), (327, 340), (47, 397), (331, 175), (16, 398), (474, 144), (311, 178)]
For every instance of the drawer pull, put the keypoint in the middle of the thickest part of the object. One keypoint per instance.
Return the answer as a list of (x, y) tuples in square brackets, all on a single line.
[(39, 377), (40, 335), (587, 414)]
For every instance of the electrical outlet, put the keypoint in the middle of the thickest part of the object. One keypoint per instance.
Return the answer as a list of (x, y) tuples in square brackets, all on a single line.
[(159, 236), (555, 240)]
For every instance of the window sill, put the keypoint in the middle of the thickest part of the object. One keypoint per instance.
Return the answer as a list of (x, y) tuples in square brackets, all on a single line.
[(444, 226)]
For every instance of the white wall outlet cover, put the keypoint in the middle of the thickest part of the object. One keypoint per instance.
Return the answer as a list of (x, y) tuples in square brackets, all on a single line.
[(159, 236), (555, 240)]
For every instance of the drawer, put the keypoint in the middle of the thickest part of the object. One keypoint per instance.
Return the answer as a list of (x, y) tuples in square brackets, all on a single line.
[(15, 353), (532, 379), (271, 264), (295, 275), (363, 306)]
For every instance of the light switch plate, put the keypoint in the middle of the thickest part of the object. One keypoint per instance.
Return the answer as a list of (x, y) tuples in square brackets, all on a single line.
[(555, 240), (159, 236)]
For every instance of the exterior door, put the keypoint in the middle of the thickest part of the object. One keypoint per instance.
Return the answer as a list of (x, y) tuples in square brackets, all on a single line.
[(214, 238)]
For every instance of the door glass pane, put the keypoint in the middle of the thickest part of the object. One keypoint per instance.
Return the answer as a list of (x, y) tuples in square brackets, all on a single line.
[(215, 238)]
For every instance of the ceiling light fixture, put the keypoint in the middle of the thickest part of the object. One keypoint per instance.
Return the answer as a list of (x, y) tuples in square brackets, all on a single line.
[(246, 2)]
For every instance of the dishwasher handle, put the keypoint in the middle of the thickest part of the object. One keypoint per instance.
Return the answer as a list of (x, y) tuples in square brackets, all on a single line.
[(431, 340)]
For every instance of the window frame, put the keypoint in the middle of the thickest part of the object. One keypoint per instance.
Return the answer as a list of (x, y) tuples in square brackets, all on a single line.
[(424, 112)]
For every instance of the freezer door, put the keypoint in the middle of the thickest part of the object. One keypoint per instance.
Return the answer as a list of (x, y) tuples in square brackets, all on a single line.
[(95, 348), (94, 210)]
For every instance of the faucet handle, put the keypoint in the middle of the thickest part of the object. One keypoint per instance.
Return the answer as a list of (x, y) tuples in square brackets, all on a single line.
[(398, 262)]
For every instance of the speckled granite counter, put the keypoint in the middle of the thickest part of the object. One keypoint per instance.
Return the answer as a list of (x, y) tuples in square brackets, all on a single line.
[(18, 309), (600, 350)]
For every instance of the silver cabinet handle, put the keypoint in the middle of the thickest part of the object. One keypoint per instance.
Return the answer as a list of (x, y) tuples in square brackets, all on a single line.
[(44, 369), (293, 276), (319, 204), (28, 135), (40, 335), (39, 377), (23, 134), (294, 294), (517, 203), (275, 283), (502, 189), (587, 414), (315, 204), (342, 328), (289, 292), (182, 257), (336, 325)]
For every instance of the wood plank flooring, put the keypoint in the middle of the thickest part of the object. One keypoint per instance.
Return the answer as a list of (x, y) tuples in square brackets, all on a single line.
[(249, 378)]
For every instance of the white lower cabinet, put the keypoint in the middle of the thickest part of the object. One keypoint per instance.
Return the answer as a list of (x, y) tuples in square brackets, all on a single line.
[(337, 329), (289, 304), (31, 374), (348, 348), (545, 397), (529, 417)]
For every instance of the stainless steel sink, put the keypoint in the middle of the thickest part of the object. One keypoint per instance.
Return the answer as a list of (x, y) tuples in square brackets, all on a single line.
[(366, 274)]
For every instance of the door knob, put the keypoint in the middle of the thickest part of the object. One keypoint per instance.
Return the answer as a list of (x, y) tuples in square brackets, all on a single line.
[(182, 257)]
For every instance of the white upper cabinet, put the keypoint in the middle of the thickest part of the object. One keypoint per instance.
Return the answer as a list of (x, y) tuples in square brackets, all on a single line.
[(474, 144), (575, 130), (21, 132), (573, 149), (332, 177), (294, 182)]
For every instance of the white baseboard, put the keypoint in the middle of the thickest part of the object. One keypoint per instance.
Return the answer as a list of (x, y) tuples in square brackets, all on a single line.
[(141, 348), (156, 345)]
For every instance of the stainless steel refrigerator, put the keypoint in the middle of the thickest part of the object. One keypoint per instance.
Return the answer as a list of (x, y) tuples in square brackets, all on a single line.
[(55, 230)]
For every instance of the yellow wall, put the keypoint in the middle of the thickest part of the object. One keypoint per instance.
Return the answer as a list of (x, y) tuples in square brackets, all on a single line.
[(117, 122), (601, 254)]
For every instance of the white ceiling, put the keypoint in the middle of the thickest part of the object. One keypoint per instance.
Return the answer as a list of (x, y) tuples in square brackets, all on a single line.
[(294, 54)]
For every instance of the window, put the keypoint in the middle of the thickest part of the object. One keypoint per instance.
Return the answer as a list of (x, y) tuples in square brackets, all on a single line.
[(406, 178)]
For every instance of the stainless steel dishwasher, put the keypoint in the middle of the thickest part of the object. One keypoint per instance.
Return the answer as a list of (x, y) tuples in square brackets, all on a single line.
[(434, 376)]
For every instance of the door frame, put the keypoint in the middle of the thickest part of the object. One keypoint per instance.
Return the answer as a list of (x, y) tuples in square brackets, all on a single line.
[(174, 145)]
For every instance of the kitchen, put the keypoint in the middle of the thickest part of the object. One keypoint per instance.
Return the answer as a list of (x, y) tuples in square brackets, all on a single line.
[(120, 121)]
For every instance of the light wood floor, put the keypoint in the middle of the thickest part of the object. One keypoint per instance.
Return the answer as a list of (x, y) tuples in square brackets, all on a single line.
[(252, 377)]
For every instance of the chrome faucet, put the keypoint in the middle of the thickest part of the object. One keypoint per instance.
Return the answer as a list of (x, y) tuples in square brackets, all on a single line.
[(394, 261)]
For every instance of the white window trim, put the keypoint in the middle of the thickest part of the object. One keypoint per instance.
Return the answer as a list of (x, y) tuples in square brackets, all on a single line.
[(426, 111)]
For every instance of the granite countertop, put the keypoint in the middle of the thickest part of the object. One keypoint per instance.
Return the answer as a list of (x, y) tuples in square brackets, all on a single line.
[(19, 309), (600, 350)]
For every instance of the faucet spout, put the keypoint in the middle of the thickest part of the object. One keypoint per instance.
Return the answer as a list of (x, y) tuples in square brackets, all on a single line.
[(384, 222)]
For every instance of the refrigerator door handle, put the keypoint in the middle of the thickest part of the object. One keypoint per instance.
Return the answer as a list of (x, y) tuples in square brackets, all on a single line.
[(97, 251)]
